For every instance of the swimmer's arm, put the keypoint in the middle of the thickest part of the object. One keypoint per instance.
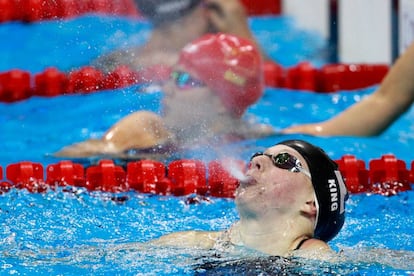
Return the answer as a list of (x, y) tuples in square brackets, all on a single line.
[(368, 117), (139, 130), (189, 239), (229, 16), (373, 114)]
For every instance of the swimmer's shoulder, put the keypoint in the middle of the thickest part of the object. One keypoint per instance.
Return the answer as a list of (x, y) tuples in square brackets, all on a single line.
[(189, 239), (314, 249), (312, 244)]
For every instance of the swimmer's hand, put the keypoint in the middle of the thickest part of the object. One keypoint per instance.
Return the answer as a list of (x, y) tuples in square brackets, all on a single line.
[(213, 7), (139, 130), (229, 16)]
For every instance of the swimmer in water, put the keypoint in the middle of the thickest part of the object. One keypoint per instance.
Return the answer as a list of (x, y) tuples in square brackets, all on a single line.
[(176, 23), (291, 204), (217, 77), (375, 113)]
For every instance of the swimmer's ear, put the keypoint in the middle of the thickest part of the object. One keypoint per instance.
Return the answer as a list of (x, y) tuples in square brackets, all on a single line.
[(309, 208)]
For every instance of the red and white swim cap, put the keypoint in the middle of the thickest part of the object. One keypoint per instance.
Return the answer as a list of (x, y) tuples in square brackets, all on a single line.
[(229, 65)]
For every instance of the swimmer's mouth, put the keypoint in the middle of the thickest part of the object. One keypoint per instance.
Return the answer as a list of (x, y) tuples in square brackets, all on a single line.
[(248, 181)]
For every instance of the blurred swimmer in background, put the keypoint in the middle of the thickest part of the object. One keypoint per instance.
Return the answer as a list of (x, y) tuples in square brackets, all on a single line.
[(216, 78), (176, 23)]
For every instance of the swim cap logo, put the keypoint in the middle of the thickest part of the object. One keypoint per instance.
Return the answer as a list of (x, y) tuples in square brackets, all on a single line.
[(333, 190), (232, 77), (342, 190)]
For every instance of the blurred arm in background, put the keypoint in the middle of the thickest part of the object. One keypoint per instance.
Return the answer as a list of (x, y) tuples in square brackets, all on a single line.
[(376, 112)]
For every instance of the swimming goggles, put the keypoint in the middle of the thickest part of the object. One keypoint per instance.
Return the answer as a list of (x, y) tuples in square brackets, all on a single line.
[(286, 161), (184, 80)]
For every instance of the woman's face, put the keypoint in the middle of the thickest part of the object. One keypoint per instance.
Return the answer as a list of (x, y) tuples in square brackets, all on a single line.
[(188, 100), (271, 187)]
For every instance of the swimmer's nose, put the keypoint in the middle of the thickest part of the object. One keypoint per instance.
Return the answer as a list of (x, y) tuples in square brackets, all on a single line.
[(256, 164)]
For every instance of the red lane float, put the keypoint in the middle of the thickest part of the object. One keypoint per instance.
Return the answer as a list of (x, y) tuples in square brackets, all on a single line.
[(86, 79), (273, 74), (262, 7), (302, 76), (8, 10), (148, 176), (107, 177), (122, 76), (4, 185), (386, 176), (34, 10), (355, 174), (335, 77), (28, 175), (50, 83), (15, 85), (188, 177), (412, 172), (65, 173), (37, 10), (389, 175), (327, 79)]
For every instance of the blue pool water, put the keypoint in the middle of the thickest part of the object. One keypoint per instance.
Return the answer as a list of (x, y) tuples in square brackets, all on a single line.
[(75, 232)]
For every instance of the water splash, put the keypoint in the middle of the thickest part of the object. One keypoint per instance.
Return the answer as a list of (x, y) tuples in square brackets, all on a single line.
[(235, 169)]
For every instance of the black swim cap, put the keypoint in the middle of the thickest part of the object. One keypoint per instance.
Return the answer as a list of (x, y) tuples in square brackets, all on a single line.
[(162, 11), (330, 190)]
